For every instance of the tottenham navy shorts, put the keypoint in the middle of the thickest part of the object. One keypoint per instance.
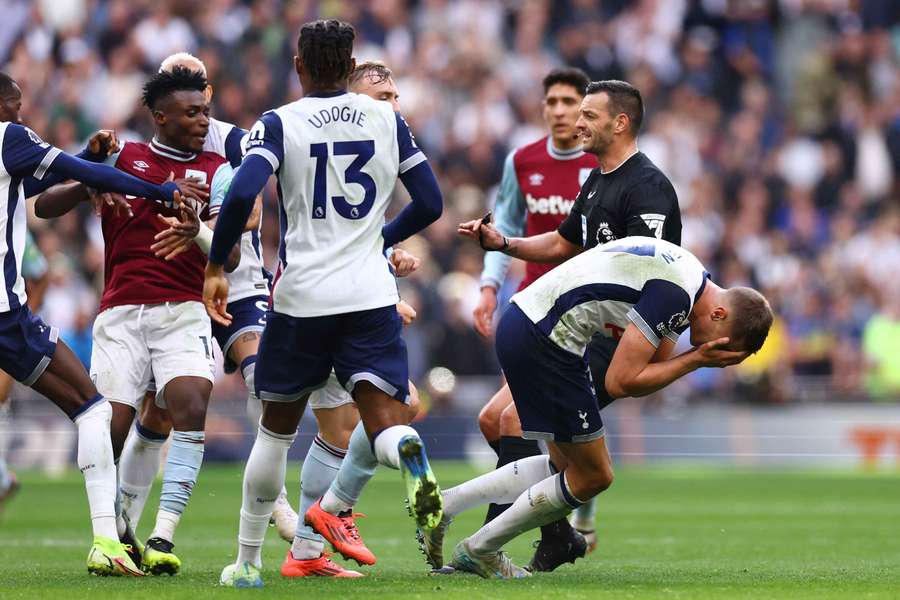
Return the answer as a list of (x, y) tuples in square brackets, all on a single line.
[(27, 344), (248, 314), (296, 354), (551, 387)]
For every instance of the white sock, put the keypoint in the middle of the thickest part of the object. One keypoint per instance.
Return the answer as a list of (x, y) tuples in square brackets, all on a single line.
[(166, 522), (95, 460), (542, 503), (585, 515), (501, 486), (263, 480), (386, 444), (138, 467)]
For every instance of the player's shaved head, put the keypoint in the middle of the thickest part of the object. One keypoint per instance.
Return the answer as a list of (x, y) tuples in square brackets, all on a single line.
[(10, 99), (325, 51), (163, 84), (751, 317), (182, 59)]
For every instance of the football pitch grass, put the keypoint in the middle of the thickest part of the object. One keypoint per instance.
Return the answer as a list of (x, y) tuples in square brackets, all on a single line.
[(665, 532)]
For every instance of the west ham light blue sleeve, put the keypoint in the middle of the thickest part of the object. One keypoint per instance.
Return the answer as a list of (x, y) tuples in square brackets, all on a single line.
[(234, 153), (661, 311), (218, 188), (509, 219), (426, 206), (410, 154), (248, 181), (266, 139)]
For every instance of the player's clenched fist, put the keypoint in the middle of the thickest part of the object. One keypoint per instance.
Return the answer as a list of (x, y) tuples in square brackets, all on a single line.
[(215, 294)]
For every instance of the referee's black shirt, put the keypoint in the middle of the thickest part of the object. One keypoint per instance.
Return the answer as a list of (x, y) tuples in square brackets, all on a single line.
[(633, 199)]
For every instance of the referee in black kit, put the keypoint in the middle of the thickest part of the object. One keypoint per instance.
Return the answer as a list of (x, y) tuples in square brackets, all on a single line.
[(626, 195)]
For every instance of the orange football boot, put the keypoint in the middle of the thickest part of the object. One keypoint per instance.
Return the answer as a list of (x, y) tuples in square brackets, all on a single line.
[(341, 533), (315, 567)]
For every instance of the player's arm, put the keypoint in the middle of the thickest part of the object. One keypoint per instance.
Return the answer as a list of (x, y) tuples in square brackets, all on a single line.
[(509, 219), (427, 203), (100, 146), (550, 247), (265, 151), (25, 155), (234, 154), (60, 199), (640, 364)]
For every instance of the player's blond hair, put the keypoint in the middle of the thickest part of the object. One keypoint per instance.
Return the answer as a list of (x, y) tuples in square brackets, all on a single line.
[(375, 70), (182, 59)]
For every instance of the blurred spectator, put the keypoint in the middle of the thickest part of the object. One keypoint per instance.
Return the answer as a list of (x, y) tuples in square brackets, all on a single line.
[(777, 120)]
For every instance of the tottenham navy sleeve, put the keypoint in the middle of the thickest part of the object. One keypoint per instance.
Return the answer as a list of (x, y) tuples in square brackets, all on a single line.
[(418, 178), (26, 155), (234, 153)]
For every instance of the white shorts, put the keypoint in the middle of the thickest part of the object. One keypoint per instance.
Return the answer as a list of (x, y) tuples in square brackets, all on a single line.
[(330, 396), (137, 344)]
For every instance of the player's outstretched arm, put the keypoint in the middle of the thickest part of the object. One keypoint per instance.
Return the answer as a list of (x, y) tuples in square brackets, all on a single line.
[(548, 247), (632, 372), (104, 177), (425, 208), (102, 144)]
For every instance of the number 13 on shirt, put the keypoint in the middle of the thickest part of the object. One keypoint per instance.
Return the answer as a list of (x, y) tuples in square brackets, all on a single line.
[(363, 151)]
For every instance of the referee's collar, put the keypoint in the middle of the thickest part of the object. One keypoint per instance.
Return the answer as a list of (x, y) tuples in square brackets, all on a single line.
[(618, 166)]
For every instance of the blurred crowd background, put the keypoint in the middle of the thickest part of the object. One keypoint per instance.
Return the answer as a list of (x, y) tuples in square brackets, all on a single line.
[(778, 122)]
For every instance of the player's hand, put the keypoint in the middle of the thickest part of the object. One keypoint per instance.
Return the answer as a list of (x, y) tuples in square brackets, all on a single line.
[(179, 235), (403, 262), (104, 142), (215, 294), (190, 187), (483, 231), (113, 200), (407, 313), (484, 312), (716, 354)]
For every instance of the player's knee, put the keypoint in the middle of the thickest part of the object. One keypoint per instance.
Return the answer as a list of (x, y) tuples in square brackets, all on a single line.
[(509, 422), (120, 425), (599, 481), (489, 423), (414, 402)]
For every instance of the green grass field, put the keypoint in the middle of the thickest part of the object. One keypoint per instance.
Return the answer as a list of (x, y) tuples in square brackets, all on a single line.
[(670, 532)]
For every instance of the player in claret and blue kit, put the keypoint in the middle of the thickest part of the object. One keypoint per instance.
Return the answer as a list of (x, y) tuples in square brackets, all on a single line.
[(30, 350), (337, 157)]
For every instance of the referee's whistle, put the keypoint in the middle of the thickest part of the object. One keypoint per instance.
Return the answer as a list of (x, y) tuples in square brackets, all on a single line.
[(486, 219)]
